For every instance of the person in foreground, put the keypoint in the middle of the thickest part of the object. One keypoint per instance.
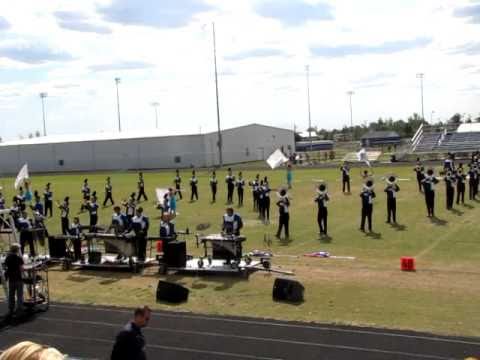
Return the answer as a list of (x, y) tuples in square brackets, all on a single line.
[(27, 350), (14, 265), (130, 342)]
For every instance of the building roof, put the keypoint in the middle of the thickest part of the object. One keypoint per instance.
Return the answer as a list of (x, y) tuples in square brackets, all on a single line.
[(104, 136), (380, 135), (473, 127)]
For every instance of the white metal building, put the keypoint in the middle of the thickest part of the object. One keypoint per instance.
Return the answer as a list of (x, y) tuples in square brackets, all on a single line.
[(124, 151)]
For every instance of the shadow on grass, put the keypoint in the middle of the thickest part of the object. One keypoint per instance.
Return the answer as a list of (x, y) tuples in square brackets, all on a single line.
[(327, 239), (439, 222), (107, 277), (285, 241), (399, 227), (468, 206), (219, 282), (374, 235), (457, 212)]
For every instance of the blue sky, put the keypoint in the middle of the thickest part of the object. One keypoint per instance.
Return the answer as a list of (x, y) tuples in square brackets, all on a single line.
[(162, 51)]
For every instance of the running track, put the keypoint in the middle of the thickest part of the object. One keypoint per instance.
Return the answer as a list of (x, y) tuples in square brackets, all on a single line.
[(87, 332)]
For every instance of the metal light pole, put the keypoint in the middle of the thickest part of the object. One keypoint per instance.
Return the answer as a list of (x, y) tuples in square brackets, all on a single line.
[(431, 116), (350, 94), (117, 81), (156, 105), (307, 69), (421, 76), (43, 95), (220, 145)]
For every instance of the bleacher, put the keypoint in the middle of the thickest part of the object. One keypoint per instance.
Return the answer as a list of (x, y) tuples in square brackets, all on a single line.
[(445, 139)]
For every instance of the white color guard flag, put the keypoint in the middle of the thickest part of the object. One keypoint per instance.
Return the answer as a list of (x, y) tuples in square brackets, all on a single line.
[(160, 192), (21, 177), (363, 156), (276, 159)]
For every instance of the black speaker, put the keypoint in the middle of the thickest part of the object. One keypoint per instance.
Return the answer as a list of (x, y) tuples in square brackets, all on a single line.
[(175, 254), (95, 257), (171, 292), (287, 290), (57, 248)]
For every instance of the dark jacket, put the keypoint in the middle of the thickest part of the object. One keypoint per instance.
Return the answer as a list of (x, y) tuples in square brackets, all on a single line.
[(129, 344)]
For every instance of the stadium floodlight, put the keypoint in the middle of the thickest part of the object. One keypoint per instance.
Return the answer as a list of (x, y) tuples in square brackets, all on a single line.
[(307, 69), (43, 96), (155, 105), (350, 94), (117, 81), (421, 76)]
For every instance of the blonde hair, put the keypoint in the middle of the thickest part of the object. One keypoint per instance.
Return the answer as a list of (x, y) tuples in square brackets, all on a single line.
[(27, 350)]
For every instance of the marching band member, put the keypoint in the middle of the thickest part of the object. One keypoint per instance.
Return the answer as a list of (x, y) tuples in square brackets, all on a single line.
[(232, 223), (289, 176), (255, 185), (48, 200), (461, 178), (92, 208), (261, 201), (213, 186), (38, 206), (172, 201), (64, 212), (193, 187), (76, 231), (429, 189), (472, 181), (240, 183), (230, 180), (119, 221), (367, 195), (284, 217), (108, 193), (419, 169), (24, 225), (19, 199), (130, 207), (345, 178), (178, 183), (141, 188), (450, 189), (322, 200), (392, 189), (265, 190), (140, 225), (167, 228), (85, 195)]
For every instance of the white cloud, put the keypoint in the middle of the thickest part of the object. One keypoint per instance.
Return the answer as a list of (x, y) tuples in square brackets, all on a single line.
[(74, 50)]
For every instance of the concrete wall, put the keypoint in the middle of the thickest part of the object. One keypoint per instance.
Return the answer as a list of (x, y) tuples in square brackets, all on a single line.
[(247, 143)]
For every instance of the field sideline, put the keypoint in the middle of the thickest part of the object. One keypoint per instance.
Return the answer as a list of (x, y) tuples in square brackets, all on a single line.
[(441, 297)]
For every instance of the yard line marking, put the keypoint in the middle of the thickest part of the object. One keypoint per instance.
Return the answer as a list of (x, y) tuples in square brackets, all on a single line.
[(278, 324), (164, 347)]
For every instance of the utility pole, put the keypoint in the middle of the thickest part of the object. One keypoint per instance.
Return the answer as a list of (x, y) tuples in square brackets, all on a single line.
[(220, 145), (307, 69), (43, 96), (421, 76), (117, 81)]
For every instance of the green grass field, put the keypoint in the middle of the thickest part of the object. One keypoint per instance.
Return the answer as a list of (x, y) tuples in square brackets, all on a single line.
[(441, 297)]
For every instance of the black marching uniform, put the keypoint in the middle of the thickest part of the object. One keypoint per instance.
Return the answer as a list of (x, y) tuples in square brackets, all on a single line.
[(240, 183), (213, 187), (93, 210), (461, 178), (76, 230), (26, 235), (472, 183), (85, 196), (48, 201), (140, 225), (141, 190), (64, 212), (322, 200), (391, 191), (265, 192), (367, 196), (255, 186), (345, 178), (284, 216), (230, 180), (108, 194), (419, 172), (194, 188), (167, 231), (450, 190), (429, 188), (178, 185)]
